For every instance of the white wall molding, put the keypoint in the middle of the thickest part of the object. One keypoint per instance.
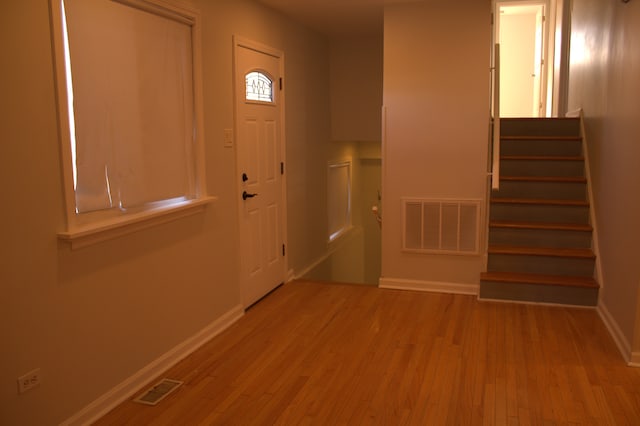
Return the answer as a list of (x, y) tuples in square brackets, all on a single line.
[(631, 358), (134, 383), (430, 286), (592, 210)]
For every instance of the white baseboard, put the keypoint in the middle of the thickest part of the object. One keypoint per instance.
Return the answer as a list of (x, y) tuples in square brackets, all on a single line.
[(133, 384), (431, 286), (631, 358)]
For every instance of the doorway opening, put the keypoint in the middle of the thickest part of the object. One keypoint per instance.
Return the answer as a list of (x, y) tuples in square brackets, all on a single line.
[(537, 33), (521, 31), (259, 100)]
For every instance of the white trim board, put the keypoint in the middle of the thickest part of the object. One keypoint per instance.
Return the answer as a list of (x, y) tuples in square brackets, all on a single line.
[(631, 358), (430, 286), (136, 382)]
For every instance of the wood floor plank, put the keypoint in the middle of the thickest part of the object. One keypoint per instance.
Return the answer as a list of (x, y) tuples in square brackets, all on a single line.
[(317, 354)]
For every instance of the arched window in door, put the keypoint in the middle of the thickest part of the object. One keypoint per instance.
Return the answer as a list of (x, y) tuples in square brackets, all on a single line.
[(259, 87)]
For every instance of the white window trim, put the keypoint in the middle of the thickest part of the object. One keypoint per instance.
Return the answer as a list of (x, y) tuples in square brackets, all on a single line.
[(339, 236), (331, 239), (107, 229), (90, 228)]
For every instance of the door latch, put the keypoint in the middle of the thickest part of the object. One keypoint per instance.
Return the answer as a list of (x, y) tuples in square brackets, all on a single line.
[(246, 195)]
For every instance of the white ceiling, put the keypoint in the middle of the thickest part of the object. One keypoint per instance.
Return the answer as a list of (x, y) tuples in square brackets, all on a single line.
[(336, 17)]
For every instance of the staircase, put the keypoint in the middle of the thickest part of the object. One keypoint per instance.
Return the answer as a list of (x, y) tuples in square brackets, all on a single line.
[(540, 236)]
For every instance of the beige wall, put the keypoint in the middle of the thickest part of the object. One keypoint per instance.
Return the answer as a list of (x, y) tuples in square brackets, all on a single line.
[(91, 318), (604, 70), (436, 94), (356, 88)]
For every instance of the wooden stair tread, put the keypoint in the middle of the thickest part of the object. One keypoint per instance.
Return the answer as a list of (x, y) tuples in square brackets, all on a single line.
[(541, 225), (542, 251), (541, 138), (539, 119), (541, 158), (562, 179), (541, 201), (560, 280), (540, 235)]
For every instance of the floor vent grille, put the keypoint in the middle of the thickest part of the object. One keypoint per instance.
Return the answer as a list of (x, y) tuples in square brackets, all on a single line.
[(158, 392)]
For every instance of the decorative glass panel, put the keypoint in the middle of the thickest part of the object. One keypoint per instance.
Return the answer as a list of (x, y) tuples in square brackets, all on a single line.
[(259, 87)]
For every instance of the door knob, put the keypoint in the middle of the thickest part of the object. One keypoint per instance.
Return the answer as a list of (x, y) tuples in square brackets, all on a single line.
[(246, 195)]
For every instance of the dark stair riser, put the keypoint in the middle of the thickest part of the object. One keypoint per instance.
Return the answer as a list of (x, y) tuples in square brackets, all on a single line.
[(547, 265), (539, 213), (545, 190), (541, 147), (555, 238), (539, 293), (539, 127), (565, 168)]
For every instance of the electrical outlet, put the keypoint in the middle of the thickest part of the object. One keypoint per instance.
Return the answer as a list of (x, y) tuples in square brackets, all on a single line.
[(29, 381)]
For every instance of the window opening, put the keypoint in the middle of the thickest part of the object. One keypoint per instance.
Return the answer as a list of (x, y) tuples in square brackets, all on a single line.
[(339, 198), (259, 87), (129, 119), (131, 137)]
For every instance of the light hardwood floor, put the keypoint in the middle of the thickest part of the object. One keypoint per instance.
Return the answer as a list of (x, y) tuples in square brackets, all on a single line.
[(335, 354)]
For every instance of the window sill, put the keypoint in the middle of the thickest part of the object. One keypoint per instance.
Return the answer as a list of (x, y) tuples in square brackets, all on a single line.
[(340, 236), (86, 235)]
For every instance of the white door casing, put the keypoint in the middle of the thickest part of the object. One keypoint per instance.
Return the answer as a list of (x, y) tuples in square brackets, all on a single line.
[(260, 173)]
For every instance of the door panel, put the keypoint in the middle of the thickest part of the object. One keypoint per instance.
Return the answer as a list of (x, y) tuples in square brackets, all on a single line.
[(270, 150), (259, 148)]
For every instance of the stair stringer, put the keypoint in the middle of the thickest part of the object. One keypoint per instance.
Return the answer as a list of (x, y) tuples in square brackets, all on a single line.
[(592, 210)]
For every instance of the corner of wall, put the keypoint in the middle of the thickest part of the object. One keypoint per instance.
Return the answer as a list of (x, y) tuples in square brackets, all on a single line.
[(631, 358)]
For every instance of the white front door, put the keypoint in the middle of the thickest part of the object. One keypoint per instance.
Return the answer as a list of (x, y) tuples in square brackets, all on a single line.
[(260, 169)]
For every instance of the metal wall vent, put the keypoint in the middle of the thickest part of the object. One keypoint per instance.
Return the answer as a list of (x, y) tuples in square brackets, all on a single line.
[(441, 226), (158, 392)]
